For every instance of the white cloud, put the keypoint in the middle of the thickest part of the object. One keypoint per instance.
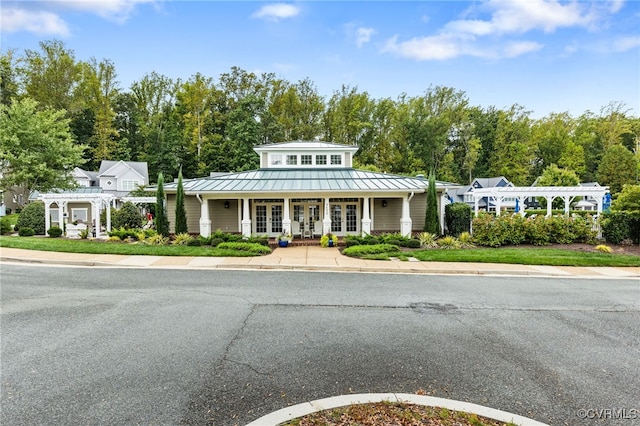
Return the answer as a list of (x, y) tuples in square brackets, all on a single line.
[(276, 11), (363, 35), (626, 43), (517, 48), (490, 37), (38, 22), (117, 11)]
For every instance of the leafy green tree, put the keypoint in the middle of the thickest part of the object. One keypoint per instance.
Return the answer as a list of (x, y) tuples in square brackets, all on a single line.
[(51, 76), (512, 151), (432, 223), (162, 221), (617, 168), (8, 78), (555, 176), (628, 199), (181, 213), (37, 152), (193, 98), (550, 136)]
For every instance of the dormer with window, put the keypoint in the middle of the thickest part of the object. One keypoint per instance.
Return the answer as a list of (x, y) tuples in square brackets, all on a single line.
[(305, 155)]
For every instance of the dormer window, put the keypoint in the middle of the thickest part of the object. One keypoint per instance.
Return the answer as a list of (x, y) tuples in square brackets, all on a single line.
[(305, 160), (292, 160), (336, 159), (321, 159), (276, 159)]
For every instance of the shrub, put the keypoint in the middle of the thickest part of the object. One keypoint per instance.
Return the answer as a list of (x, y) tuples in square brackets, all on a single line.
[(215, 242), (619, 226), (84, 233), (182, 239), (55, 232), (603, 249), (367, 250), (535, 231), (427, 240), (252, 248), (124, 233), (156, 240), (127, 217), (194, 242), (465, 240), (262, 240), (26, 232), (32, 216), (457, 218), (5, 225), (448, 242), (324, 240), (412, 243)]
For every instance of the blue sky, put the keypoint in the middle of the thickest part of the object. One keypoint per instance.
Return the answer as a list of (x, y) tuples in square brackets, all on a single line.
[(546, 55)]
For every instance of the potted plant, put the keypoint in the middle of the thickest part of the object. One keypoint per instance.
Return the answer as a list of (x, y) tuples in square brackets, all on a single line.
[(284, 238), (329, 240)]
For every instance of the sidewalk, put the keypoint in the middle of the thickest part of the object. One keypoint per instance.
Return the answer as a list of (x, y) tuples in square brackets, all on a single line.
[(311, 258)]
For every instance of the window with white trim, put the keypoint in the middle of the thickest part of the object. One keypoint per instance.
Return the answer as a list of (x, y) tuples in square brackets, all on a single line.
[(54, 215), (276, 159), (79, 215), (292, 160), (321, 159), (305, 159), (129, 184), (336, 159)]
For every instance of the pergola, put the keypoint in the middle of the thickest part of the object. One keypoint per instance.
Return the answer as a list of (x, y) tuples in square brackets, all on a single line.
[(97, 200), (567, 193)]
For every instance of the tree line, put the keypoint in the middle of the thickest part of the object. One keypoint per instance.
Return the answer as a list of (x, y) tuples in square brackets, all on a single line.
[(202, 124)]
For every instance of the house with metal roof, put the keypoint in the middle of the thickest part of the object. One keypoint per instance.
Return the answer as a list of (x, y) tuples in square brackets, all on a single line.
[(305, 188)]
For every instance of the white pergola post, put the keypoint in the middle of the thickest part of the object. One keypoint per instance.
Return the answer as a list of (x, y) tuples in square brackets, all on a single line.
[(108, 207), (521, 206), (47, 216), (366, 216), (246, 219), (475, 205), (95, 216), (405, 220), (498, 200), (205, 221), (61, 209), (567, 202), (549, 199)]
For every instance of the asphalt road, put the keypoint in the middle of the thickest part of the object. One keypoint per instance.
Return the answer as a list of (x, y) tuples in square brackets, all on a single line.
[(166, 347)]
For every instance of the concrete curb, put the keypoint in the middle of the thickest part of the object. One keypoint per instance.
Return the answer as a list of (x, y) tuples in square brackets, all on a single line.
[(299, 410)]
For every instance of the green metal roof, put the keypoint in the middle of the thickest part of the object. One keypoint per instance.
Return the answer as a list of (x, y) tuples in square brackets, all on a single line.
[(297, 180)]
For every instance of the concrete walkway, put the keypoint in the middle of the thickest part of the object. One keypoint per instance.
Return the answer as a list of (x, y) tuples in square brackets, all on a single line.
[(311, 258)]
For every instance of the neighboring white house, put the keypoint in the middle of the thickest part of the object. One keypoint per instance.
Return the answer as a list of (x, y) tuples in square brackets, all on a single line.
[(465, 194), (307, 188), (108, 187)]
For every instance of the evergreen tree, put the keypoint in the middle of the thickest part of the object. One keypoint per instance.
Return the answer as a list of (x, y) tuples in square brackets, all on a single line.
[(432, 223), (181, 213), (162, 222)]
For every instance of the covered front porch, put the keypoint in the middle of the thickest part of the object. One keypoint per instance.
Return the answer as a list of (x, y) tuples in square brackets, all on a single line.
[(310, 217)]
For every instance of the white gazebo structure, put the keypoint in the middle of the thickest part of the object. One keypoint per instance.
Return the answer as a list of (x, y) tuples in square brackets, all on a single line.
[(520, 194), (77, 206)]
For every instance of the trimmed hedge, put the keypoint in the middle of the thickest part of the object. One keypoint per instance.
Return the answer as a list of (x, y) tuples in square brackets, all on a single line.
[(55, 232), (457, 218), (620, 226), (32, 216), (26, 232), (253, 248), (366, 250), (495, 231)]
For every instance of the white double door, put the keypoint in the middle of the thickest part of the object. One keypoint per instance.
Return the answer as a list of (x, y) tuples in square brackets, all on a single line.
[(268, 218), (344, 218)]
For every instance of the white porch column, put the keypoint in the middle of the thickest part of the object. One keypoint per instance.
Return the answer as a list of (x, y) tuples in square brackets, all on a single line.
[(246, 219), (205, 222), (366, 216), (47, 218), (443, 198), (549, 203), (326, 221), (405, 220), (286, 219)]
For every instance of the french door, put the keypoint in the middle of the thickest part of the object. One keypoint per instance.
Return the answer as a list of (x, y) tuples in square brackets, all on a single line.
[(268, 217), (344, 217)]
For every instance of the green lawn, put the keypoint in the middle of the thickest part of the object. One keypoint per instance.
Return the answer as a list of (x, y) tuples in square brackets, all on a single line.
[(104, 247), (517, 255)]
